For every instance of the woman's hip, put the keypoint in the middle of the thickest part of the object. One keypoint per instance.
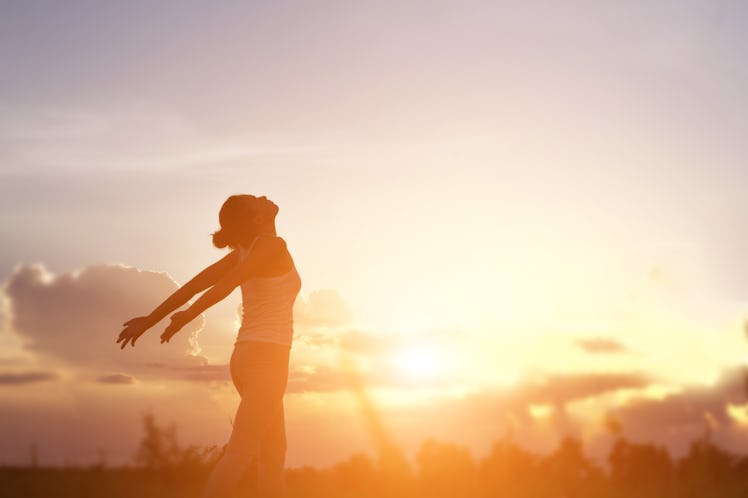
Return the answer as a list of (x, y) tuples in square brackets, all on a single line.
[(260, 366)]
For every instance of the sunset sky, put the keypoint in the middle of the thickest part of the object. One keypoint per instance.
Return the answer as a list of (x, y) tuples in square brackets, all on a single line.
[(509, 217)]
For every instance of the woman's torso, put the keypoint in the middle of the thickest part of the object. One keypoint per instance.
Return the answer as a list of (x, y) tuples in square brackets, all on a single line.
[(267, 304)]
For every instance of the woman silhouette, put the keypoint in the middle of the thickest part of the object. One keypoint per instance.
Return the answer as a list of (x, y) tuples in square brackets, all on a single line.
[(260, 263)]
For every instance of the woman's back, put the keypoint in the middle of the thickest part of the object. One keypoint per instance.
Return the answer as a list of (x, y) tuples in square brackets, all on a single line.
[(267, 304)]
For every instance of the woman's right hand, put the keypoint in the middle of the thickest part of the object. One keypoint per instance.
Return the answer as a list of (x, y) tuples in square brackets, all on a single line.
[(134, 328)]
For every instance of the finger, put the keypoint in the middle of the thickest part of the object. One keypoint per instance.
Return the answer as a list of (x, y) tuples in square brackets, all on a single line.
[(167, 335), (126, 341)]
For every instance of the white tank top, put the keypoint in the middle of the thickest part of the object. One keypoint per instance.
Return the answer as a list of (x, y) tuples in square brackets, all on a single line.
[(267, 305)]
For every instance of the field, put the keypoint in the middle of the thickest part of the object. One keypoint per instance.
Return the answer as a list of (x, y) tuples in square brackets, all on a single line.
[(440, 470)]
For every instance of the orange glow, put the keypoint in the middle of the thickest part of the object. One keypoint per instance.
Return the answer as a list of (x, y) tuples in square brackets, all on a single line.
[(553, 244), (540, 412), (738, 413)]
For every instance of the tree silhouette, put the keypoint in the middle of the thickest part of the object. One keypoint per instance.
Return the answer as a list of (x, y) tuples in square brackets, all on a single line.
[(159, 449), (445, 470), (568, 473), (643, 470), (508, 470)]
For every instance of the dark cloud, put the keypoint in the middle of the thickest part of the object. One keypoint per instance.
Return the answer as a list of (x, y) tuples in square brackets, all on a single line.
[(554, 389), (673, 420), (205, 373), (600, 345), (19, 378), (679, 418), (322, 308), (116, 379), (76, 317), (563, 388)]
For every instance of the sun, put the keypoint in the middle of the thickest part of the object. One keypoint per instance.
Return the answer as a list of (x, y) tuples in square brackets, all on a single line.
[(419, 362)]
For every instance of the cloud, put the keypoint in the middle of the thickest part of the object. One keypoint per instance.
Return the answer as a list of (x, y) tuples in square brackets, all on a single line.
[(204, 373), (76, 140), (116, 379), (351, 341), (379, 343), (22, 378), (318, 379), (3, 314), (685, 415), (76, 317), (563, 388), (601, 346), (581, 404), (369, 344), (322, 308), (315, 340)]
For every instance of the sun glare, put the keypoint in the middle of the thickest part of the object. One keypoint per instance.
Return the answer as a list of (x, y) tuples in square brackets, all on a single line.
[(418, 362), (739, 413), (540, 412)]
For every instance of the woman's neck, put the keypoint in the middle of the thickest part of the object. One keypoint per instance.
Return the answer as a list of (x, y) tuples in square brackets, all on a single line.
[(268, 231)]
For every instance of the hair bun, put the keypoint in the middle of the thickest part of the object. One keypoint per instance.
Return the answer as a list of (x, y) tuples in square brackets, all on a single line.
[(220, 240)]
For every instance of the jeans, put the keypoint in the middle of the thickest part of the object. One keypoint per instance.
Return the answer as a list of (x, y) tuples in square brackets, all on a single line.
[(259, 371)]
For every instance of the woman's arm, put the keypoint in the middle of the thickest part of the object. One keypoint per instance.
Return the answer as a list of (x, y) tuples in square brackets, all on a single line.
[(135, 327), (233, 278), (206, 278)]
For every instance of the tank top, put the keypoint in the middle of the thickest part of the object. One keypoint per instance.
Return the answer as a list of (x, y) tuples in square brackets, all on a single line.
[(267, 305)]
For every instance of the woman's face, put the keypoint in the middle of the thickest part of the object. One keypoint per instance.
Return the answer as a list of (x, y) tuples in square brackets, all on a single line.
[(255, 206), (269, 205)]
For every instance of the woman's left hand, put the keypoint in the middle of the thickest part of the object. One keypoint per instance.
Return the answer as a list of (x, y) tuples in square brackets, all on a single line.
[(178, 320), (134, 328)]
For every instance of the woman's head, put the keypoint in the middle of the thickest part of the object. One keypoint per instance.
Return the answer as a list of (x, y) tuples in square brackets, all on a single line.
[(242, 217)]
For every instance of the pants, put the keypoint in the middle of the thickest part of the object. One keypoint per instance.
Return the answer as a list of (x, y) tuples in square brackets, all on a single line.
[(259, 371)]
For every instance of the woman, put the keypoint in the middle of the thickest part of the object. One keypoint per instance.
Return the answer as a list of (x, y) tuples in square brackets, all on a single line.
[(260, 263)]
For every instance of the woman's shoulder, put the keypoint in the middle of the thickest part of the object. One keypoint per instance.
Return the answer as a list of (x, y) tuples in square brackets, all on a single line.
[(265, 248), (270, 243), (267, 256)]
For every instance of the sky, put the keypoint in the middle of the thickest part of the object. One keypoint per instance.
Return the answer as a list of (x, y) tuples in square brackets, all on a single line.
[(508, 217)]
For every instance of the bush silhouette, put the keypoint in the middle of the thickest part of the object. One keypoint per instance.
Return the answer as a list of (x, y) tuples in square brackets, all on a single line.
[(634, 470)]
